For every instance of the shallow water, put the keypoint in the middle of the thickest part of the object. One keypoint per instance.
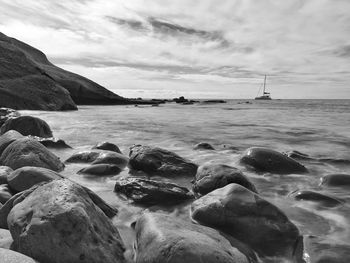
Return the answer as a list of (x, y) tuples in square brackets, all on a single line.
[(320, 128)]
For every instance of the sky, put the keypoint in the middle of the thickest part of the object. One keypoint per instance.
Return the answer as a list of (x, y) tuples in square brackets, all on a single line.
[(194, 48)]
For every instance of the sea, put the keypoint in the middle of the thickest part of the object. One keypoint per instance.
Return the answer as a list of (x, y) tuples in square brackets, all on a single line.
[(319, 128)]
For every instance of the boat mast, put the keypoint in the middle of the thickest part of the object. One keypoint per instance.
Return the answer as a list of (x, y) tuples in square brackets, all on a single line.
[(264, 84)]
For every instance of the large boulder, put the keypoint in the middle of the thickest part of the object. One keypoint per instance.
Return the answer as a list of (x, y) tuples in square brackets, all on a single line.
[(157, 161), (239, 212), (8, 138), (163, 238), (27, 176), (147, 191), (4, 172), (107, 146), (7, 113), (267, 160), (9, 256), (212, 176), (59, 222), (28, 152), (27, 125)]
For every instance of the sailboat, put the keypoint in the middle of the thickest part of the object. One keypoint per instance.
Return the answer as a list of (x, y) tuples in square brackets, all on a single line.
[(265, 95)]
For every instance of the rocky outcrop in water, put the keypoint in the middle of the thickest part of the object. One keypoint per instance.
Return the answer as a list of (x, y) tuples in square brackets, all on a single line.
[(203, 146), (107, 146), (51, 142), (101, 169), (336, 180), (322, 199)]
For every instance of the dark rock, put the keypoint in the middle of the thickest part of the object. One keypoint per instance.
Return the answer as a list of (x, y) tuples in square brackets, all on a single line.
[(8, 138), (27, 125), (5, 239), (157, 161), (6, 113), (107, 146), (212, 176), (151, 192), (322, 199), (4, 172), (338, 180), (58, 222), (246, 216), (27, 152), (83, 157), (214, 101), (167, 239), (267, 160), (10, 256), (25, 177), (51, 142), (5, 193), (180, 99), (108, 157), (101, 169), (203, 146)]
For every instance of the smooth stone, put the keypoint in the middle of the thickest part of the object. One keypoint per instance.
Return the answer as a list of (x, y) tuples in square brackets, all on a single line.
[(157, 161), (25, 177), (5, 239), (59, 222), (83, 157), (101, 169), (7, 138), (108, 157), (203, 146), (267, 160), (324, 200), (107, 146), (9, 256), (167, 239), (4, 172), (147, 191), (5, 193), (51, 142), (212, 176), (337, 180), (7, 113), (246, 216), (28, 152), (27, 125)]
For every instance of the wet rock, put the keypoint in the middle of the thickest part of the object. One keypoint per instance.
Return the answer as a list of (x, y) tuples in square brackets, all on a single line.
[(59, 222), (337, 180), (7, 113), (107, 146), (203, 146), (108, 157), (322, 199), (298, 155), (5, 239), (27, 125), (83, 157), (151, 192), (101, 169), (246, 216), (172, 240), (9, 256), (4, 172), (157, 161), (51, 142), (27, 152), (25, 177), (7, 138), (212, 176), (5, 193), (267, 160)]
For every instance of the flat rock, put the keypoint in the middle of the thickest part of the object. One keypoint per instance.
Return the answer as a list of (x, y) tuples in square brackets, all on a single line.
[(212, 176), (246, 216), (107, 146), (7, 138), (157, 161), (51, 142), (4, 172), (313, 196), (27, 125), (167, 239), (59, 222), (336, 180), (5, 193), (267, 160), (101, 169), (147, 191), (28, 152), (203, 146), (9, 256)]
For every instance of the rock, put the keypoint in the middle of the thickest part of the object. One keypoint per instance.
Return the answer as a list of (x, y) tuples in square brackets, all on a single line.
[(51, 142), (212, 176), (25, 177), (322, 199), (101, 169), (214, 101), (108, 157), (27, 152), (107, 146), (180, 99), (298, 155), (59, 222), (5, 239), (167, 239), (157, 161), (151, 192), (337, 180), (4, 172), (8, 138), (9, 256), (5, 193), (246, 216), (7, 113), (83, 157), (203, 146), (266, 160), (27, 125)]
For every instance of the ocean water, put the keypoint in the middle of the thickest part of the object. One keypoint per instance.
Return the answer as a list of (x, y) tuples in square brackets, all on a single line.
[(319, 128)]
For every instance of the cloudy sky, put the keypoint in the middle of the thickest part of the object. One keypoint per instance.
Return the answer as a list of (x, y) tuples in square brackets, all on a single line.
[(196, 48)]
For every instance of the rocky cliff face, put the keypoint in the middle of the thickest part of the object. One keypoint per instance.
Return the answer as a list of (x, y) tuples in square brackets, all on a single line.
[(29, 81)]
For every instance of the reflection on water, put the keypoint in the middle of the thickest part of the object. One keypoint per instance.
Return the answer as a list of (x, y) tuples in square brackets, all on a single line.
[(318, 128)]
